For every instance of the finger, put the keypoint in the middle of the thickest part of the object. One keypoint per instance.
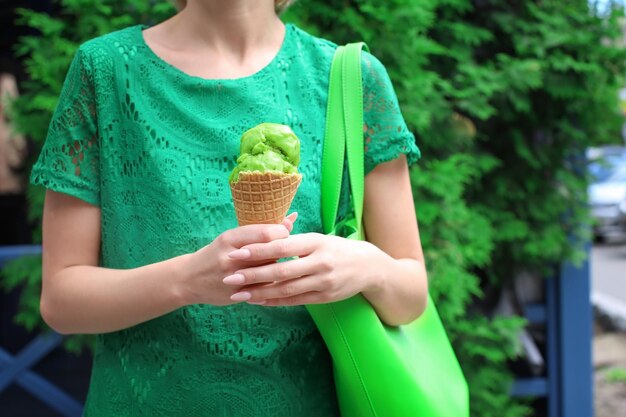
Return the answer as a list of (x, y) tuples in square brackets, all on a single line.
[(293, 216), (284, 289), (312, 297), (288, 224), (294, 245), (254, 233), (244, 264), (290, 220), (273, 272)]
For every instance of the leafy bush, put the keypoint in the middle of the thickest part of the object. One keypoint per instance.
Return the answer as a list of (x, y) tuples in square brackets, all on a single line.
[(615, 375), (47, 57), (503, 98)]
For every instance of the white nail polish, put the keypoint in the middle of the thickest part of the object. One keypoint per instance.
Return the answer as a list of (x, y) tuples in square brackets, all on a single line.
[(239, 254), (235, 279), (241, 296)]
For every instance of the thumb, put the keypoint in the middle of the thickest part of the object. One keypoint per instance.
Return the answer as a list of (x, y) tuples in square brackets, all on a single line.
[(290, 220), (255, 233)]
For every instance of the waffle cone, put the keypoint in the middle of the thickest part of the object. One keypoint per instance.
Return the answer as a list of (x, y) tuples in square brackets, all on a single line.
[(263, 198)]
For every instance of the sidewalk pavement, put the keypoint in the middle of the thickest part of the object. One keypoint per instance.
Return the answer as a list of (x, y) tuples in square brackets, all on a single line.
[(608, 269), (609, 362)]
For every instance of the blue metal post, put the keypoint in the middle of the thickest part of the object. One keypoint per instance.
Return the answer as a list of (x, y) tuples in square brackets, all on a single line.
[(552, 348), (575, 339)]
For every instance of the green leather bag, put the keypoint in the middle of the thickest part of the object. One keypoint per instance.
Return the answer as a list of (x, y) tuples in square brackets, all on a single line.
[(380, 370)]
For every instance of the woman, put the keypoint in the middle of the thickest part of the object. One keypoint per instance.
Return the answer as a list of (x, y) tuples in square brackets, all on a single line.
[(194, 317), (12, 146)]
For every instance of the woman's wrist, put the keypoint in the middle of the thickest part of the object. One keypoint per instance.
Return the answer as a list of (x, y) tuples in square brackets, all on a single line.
[(378, 274), (394, 290), (182, 273)]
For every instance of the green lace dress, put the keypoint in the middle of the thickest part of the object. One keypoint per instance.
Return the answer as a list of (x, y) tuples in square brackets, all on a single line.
[(153, 147)]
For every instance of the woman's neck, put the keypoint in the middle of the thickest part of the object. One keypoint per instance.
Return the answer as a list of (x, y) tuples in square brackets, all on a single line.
[(229, 28), (219, 38)]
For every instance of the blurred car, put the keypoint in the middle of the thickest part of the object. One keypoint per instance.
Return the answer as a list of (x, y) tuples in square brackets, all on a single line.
[(604, 161), (608, 205)]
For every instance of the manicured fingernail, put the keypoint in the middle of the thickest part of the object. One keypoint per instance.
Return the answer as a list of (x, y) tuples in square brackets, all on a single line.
[(241, 296), (295, 216), (257, 303), (239, 254), (234, 279)]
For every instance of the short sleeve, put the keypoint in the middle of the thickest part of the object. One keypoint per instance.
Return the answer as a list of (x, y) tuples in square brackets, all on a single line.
[(69, 161), (386, 135)]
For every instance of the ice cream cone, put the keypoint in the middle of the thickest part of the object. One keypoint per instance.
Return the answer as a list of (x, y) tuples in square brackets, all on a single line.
[(263, 198)]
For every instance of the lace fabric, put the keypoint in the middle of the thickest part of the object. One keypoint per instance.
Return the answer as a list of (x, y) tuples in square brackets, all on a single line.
[(153, 148)]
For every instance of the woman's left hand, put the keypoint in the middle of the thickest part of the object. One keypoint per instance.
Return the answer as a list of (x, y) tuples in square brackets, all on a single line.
[(327, 268)]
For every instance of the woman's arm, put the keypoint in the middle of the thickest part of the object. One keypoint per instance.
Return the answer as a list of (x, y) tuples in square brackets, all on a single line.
[(388, 269), (400, 294), (78, 296)]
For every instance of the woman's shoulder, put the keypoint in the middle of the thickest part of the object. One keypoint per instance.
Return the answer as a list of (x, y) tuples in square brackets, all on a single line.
[(312, 39), (326, 47), (312, 44), (118, 43)]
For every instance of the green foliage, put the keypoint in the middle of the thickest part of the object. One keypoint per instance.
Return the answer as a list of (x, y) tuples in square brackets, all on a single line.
[(455, 238), (458, 239), (47, 57), (615, 375), (561, 76), (503, 98), (25, 274), (488, 343)]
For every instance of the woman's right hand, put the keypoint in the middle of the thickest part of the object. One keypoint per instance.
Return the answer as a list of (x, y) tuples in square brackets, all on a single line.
[(207, 267), (80, 296)]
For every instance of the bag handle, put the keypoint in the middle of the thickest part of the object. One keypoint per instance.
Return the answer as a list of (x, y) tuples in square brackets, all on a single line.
[(344, 129), (334, 145)]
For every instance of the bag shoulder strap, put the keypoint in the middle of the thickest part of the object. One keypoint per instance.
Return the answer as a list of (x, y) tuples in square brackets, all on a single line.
[(334, 144), (353, 114), (344, 128)]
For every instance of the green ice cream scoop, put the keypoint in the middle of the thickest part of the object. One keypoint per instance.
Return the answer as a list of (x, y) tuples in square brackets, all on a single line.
[(268, 147)]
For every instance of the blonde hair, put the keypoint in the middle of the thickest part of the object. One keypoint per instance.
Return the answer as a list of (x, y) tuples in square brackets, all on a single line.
[(279, 5)]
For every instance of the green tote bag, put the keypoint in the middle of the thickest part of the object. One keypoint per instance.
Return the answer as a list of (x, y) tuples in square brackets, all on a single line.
[(380, 371)]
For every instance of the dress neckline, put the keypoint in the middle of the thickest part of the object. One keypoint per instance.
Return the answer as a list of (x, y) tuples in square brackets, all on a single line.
[(281, 51)]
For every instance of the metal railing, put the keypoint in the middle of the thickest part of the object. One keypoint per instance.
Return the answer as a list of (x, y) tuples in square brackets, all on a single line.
[(567, 317), (17, 369)]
